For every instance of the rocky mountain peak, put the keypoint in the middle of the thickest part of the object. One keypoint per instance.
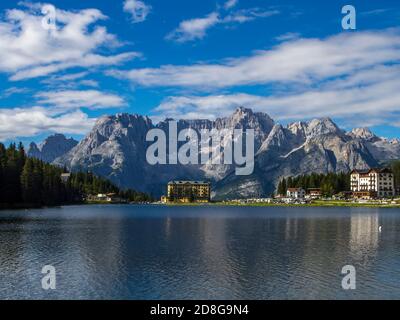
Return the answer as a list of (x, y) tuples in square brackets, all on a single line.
[(299, 128), (33, 148), (51, 148), (244, 115), (242, 112), (322, 126), (276, 138), (395, 141), (118, 124), (116, 149), (363, 133)]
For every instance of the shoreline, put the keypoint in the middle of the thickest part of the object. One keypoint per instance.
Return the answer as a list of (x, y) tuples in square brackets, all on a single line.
[(22, 206), (318, 204)]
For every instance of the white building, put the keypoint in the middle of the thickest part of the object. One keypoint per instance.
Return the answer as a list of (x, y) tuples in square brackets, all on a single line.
[(296, 193), (65, 177), (373, 183)]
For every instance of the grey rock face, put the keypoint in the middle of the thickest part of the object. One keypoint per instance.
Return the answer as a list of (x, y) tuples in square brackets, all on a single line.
[(51, 148), (116, 149), (382, 149), (300, 148), (363, 134)]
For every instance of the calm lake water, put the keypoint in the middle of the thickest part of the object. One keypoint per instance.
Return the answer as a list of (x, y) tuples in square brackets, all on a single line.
[(155, 252)]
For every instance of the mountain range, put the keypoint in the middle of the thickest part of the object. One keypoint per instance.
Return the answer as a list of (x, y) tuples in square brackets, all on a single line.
[(116, 149), (51, 148)]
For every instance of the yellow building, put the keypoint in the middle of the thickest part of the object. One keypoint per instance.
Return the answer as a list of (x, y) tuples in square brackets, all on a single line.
[(189, 191)]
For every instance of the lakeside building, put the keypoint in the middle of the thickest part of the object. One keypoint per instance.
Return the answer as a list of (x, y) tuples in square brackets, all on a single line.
[(109, 197), (296, 193), (314, 193), (250, 200), (65, 177), (372, 183), (188, 191)]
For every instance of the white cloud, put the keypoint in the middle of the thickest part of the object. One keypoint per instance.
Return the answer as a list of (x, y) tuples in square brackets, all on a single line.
[(302, 61), (193, 29), (29, 50), (90, 60), (88, 83), (360, 99), (288, 36), (28, 122), (230, 4), (12, 91), (69, 81), (137, 9), (91, 99), (246, 15), (363, 91), (56, 111), (375, 12), (65, 77)]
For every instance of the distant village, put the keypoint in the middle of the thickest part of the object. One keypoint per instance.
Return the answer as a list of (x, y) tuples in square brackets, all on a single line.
[(365, 185)]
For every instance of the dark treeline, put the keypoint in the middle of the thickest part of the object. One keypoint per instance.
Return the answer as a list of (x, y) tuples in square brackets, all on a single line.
[(396, 171), (330, 184), (30, 182)]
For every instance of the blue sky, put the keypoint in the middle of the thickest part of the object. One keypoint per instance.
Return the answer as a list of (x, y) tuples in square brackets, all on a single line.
[(196, 59)]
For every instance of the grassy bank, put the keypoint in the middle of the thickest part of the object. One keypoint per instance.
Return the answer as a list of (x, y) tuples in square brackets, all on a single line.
[(317, 203)]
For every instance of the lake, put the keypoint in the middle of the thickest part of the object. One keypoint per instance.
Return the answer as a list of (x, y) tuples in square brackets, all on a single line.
[(203, 252)]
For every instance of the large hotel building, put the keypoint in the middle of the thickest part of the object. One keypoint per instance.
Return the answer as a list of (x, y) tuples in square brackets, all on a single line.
[(373, 183), (188, 191)]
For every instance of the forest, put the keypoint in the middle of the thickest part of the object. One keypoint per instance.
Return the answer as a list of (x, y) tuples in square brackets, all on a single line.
[(28, 182), (396, 172), (330, 184)]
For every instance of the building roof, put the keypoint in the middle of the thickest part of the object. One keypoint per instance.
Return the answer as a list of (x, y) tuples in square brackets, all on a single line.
[(360, 171), (294, 189), (367, 171), (188, 182)]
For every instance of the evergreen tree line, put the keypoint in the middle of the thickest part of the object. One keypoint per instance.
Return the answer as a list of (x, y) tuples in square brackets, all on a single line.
[(396, 172), (29, 182), (330, 184)]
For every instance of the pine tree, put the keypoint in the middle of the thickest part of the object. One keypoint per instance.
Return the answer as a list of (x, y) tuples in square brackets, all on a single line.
[(27, 183), (12, 190), (396, 172), (31, 182), (289, 183), (3, 161), (282, 189)]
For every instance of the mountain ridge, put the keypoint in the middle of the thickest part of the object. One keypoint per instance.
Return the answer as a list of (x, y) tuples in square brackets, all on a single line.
[(51, 148), (116, 148)]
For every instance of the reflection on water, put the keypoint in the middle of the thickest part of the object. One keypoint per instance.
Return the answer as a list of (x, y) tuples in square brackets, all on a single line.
[(151, 252), (364, 235)]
